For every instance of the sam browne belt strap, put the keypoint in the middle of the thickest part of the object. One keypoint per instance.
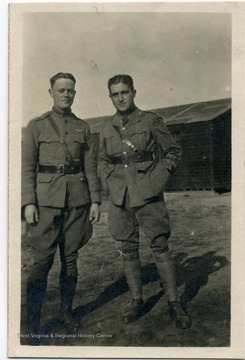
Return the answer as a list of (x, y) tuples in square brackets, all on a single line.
[(133, 158), (136, 157), (68, 155), (125, 139)]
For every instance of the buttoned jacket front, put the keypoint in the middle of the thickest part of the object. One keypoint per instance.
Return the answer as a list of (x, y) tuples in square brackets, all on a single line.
[(41, 146), (145, 180)]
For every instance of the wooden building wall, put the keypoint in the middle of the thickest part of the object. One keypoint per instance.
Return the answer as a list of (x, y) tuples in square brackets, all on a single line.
[(221, 131), (206, 159), (195, 170)]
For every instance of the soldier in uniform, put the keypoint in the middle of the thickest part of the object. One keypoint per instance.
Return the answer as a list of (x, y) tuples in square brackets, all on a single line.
[(137, 157), (60, 197)]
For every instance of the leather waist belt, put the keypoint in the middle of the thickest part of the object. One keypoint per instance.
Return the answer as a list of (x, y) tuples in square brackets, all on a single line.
[(61, 169), (133, 158)]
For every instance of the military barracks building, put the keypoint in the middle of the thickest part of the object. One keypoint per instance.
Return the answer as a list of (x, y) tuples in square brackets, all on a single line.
[(203, 130)]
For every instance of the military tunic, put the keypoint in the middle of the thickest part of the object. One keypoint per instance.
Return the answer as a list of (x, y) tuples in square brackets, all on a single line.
[(41, 146), (146, 131), (63, 200), (136, 189)]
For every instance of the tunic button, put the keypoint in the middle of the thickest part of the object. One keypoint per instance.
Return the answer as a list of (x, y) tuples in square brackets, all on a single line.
[(124, 153), (125, 165), (123, 128)]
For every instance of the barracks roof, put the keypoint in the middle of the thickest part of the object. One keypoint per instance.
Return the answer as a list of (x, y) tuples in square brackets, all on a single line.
[(188, 113)]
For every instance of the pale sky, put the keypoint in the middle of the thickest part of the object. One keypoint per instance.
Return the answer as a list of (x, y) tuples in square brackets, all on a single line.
[(174, 58)]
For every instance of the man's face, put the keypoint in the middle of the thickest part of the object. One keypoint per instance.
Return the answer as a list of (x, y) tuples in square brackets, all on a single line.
[(63, 93), (122, 97)]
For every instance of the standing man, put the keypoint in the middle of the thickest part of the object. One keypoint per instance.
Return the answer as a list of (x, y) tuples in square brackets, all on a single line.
[(137, 157), (60, 197)]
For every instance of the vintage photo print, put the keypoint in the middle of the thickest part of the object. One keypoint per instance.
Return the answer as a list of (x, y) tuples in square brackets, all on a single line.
[(126, 180)]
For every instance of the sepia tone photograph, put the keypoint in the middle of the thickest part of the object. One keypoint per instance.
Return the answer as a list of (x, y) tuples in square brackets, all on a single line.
[(122, 126)]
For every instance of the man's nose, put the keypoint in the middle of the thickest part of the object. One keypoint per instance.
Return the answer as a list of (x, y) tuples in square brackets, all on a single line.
[(66, 93), (120, 97)]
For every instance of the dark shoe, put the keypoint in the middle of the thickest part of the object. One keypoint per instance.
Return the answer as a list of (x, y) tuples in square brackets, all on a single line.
[(33, 330), (71, 324), (32, 322), (181, 318), (134, 311)]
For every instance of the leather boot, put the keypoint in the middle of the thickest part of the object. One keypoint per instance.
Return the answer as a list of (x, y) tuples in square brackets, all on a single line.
[(165, 266), (35, 296), (33, 322), (67, 292), (36, 290), (67, 318), (179, 315), (132, 268)]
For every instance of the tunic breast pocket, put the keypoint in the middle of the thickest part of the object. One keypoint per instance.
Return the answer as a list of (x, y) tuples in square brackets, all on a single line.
[(114, 144), (140, 138), (78, 144), (49, 149)]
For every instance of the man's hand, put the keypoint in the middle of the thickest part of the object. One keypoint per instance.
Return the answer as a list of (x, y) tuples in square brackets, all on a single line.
[(31, 214), (94, 213)]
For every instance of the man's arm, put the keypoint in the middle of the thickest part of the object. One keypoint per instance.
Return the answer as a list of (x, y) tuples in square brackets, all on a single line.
[(29, 165), (103, 165), (91, 168), (171, 151)]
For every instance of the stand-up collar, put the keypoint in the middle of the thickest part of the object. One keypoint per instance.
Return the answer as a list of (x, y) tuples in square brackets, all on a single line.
[(61, 112), (133, 117)]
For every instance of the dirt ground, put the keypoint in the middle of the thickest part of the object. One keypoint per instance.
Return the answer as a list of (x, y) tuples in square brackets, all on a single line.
[(200, 244)]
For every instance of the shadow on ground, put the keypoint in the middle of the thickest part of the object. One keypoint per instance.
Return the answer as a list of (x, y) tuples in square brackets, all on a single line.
[(193, 273)]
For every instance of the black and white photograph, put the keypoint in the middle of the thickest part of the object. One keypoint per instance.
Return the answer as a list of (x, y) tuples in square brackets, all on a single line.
[(126, 167)]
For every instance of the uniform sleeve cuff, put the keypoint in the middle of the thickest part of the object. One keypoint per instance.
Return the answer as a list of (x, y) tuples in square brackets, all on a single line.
[(95, 198), (27, 200)]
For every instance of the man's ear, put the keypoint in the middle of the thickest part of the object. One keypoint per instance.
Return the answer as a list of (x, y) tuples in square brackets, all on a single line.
[(135, 92), (50, 92)]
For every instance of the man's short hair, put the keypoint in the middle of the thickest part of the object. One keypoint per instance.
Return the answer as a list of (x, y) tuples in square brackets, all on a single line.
[(62, 75), (124, 79)]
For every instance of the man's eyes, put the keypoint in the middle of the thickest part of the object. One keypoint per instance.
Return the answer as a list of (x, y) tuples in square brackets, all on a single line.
[(61, 91), (122, 93)]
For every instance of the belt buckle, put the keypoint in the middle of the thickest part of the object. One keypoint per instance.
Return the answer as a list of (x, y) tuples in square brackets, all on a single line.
[(124, 160), (61, 169)]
